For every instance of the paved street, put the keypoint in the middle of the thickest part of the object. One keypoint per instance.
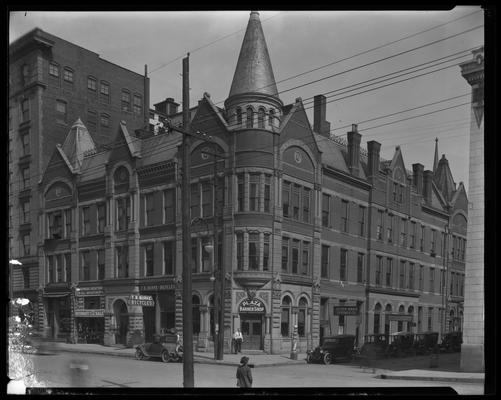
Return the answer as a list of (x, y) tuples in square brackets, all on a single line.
[(120, 372)]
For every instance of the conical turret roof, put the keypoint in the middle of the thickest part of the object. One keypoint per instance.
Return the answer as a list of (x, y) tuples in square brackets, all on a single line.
[(78, 143), (443, 178), (254, 73)]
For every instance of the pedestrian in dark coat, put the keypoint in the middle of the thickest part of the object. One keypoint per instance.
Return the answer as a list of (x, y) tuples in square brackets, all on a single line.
[(244, 375)]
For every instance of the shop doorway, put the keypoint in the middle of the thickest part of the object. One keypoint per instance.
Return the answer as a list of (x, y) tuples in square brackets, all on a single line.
[(122, 318), (252, 327)]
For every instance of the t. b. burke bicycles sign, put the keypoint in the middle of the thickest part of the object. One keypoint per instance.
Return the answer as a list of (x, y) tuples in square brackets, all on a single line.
[(251, 306)]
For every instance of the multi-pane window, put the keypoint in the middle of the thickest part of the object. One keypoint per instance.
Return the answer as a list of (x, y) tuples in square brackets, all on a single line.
[(266, 252), (421, 277), (401, 282), (138, 104), (148, 259), (403, 232), (51, 270), (379, 228), (169, 260), (253, 251), (301, 317), (306, 204), (389, 229), (305, 261), (260, 118), (26, 143), (389, 267), (61, 111), (122, 261), (324, 271), (295, 201), (68, 75), (344, 216), (267, 192), (25, 245), (55, 224), (67, 222), (432, 280), (149, 209), (325, 209), (240, 251), (295, 256), (411, 276), (169, 206), (254, 192), (194, 255), (125, 100), (412, 235), (271, 117), (91, 83), (67, 266), (206, 256), (433, 241), (25, 110), (430, 318), (286, 192), (85, 221), (123, 213), (54, 70), (101, 217), (105, 88), (105, 120), (207, 199), (342, 265), (360, 267), (361, 220), (379, 269), (285, 316), (85, 265), (421, 243), (25, 212), (250, 117), (241, 191), (443, 244), (285, 254), (100, 264)]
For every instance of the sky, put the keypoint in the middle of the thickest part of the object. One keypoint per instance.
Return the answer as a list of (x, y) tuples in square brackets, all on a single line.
[(352, 57)]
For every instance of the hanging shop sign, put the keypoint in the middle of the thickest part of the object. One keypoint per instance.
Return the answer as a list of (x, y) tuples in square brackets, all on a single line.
[(400, 317), (89, 313), (141, 300), (251, 306), (345, 310)]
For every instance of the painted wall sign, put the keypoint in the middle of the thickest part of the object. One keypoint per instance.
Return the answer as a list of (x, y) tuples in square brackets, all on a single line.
[(155, 288), (400, 317), (89, 313), (251, 306), (89, 291), (141, 300), (345, 310)]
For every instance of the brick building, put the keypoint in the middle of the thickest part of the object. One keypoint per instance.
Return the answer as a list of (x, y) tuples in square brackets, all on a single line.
[(52, 83), (312, 231)]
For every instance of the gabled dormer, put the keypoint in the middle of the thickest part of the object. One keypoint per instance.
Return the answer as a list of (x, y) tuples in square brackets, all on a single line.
[(398, 179)]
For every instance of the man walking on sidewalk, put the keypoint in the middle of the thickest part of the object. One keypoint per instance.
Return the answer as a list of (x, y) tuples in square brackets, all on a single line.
[(238, 337)]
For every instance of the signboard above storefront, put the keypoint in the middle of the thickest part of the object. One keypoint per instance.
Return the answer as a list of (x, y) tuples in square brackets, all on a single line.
[(251, 306), (89, 291), (400, 317), (141, 300), (345, 310), (89, 313), (157, 287)]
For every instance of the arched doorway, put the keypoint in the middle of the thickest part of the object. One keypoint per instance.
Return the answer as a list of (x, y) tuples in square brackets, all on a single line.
[(410, 324), (252, 323), (377, 318), (122, 318), (387, 319), (400, 324)]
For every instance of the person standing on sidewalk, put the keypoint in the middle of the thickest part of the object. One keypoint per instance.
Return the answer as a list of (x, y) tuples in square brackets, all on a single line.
[(244, 375), (238, 341)]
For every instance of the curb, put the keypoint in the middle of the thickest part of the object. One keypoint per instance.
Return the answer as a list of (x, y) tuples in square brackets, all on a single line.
[(430, 378)]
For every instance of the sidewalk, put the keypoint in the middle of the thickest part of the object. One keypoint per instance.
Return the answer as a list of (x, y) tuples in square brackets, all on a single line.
[(448, 373)]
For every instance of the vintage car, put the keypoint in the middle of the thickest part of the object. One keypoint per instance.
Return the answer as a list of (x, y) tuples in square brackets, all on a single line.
[(375, 346), (400, 344), (166, 347), (333, 348), (451, 342), (425, 342)]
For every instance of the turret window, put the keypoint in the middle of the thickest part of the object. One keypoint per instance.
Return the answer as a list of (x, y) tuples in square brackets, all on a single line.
[(271, 116), (239, 116), (260, 118), (250, 117)]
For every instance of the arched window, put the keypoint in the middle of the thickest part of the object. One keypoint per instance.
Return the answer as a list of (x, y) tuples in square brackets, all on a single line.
[(400, 324), (301, 317), (410, 311), (271, 117), (239, 116), (250, 117), (377, 318), (387, 319), (260, 118), (196, 314), (286, 316)]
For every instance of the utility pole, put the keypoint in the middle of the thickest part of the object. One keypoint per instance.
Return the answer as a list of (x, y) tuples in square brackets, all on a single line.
[(188, 374)]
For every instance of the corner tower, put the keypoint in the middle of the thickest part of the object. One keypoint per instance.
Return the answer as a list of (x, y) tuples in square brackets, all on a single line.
[(253, 101)]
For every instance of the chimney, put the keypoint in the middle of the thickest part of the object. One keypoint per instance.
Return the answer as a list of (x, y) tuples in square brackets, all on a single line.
[(320, 125), (373, 149), (417, 176), (167, 107), (353, 149), (428, 177)]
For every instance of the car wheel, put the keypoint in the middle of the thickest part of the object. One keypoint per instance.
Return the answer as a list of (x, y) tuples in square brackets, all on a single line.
[(309, 359), (139, 354), (165, 356), (327, 359)]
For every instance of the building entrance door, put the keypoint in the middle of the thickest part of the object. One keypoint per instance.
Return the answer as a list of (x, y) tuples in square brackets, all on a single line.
[(252, 332)]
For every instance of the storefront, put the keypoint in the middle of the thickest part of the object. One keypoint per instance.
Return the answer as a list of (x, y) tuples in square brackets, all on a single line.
[(57, 305), (159, 314), (252, 323), (89, 315)]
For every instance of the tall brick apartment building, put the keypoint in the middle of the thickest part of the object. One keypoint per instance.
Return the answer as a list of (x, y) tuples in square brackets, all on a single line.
[(313, 231), (52, 83)]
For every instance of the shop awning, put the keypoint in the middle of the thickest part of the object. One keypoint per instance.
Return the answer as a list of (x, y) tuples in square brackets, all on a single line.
[(56, 294)]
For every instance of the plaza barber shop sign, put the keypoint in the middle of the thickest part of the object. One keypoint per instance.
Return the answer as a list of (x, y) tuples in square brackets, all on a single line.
[(251, 306)]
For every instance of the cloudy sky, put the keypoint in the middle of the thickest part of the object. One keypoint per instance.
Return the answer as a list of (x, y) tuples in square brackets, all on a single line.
[(395, 74)]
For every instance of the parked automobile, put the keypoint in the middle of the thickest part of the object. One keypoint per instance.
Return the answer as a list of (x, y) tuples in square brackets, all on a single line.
[(375, 346), (333, 348), (451, 342), (166, 347), (400, 344), (425, 342)]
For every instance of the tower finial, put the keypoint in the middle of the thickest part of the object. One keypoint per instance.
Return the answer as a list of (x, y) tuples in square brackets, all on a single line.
[(435, 160)]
